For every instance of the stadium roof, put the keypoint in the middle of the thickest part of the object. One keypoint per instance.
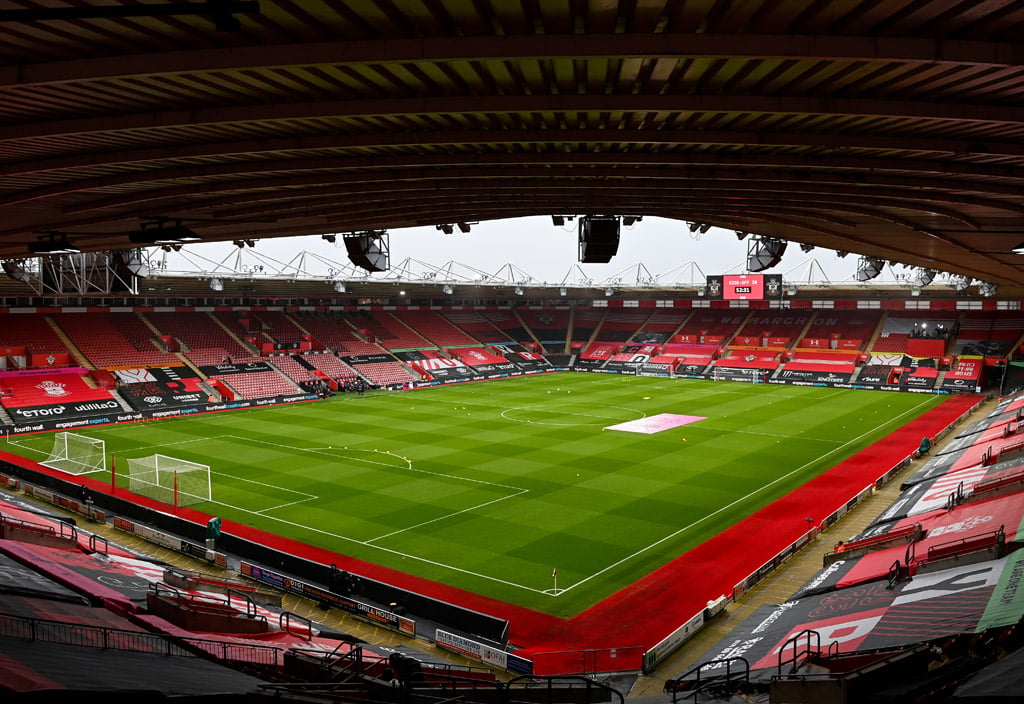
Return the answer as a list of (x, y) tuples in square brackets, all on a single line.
[(888, 128)]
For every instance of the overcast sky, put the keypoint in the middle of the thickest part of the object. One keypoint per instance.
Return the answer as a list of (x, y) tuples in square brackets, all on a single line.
[(527, 249)]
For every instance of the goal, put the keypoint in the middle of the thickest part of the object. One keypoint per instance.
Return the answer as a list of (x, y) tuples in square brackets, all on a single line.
[(77, 454), (168, 479)]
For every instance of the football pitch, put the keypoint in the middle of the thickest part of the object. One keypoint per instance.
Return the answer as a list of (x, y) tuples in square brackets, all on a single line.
[(550, 491)]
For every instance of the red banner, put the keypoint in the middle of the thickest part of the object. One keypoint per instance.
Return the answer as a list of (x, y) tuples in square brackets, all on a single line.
[(820, 343), (54, 359), (966, 368), (926, 347)]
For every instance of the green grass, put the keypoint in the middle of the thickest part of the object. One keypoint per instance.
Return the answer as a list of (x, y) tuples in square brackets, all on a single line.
[(489, 486)]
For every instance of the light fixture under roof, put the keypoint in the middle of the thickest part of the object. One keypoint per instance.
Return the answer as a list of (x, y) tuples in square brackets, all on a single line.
[(15, 270), (987, 289), (519, 290), (869, 268), (217, 284), (162, 230), (563, 291), (924, 277), (609, 291), (447, 288), (53, 243), (339, 286), (961, 283), (764, 253), (1019, 249)]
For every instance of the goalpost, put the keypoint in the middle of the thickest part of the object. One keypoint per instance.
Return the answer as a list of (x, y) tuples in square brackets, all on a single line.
[(169, 479), (77, 454)]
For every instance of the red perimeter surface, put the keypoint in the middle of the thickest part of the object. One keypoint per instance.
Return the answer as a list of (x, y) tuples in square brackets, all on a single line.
[(613, 634)]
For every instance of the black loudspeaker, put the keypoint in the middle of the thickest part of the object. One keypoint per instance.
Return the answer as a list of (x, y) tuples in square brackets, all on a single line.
[(599, 239), (368, 250)]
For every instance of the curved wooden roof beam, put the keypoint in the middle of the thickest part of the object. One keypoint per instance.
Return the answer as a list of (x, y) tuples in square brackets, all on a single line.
[(449, 138), (362, 108), (727, 178), (534, 47), (636, 161)]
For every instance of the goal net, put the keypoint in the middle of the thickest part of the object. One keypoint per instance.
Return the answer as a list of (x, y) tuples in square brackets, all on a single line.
[(169, 479), (77, 454)]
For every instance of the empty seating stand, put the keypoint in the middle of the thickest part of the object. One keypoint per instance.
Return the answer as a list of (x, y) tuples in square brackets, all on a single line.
[(256, 385), (385, 373), (477, 326), (198, 331), (434, 328), (104, 340)]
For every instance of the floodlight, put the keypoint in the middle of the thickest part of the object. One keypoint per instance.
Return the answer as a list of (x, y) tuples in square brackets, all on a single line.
[(563, 291), (609, 291), (987, 289), (447, 288), (217, 284), (961, 283), (1019, 249), (868, 268), (463, 227), (925, 276), (339, 286), (519, 290), (446, 228), (764, 253), (16, 271)]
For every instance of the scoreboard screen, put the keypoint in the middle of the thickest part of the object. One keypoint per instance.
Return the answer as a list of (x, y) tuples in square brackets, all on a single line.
[(744, 287)]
